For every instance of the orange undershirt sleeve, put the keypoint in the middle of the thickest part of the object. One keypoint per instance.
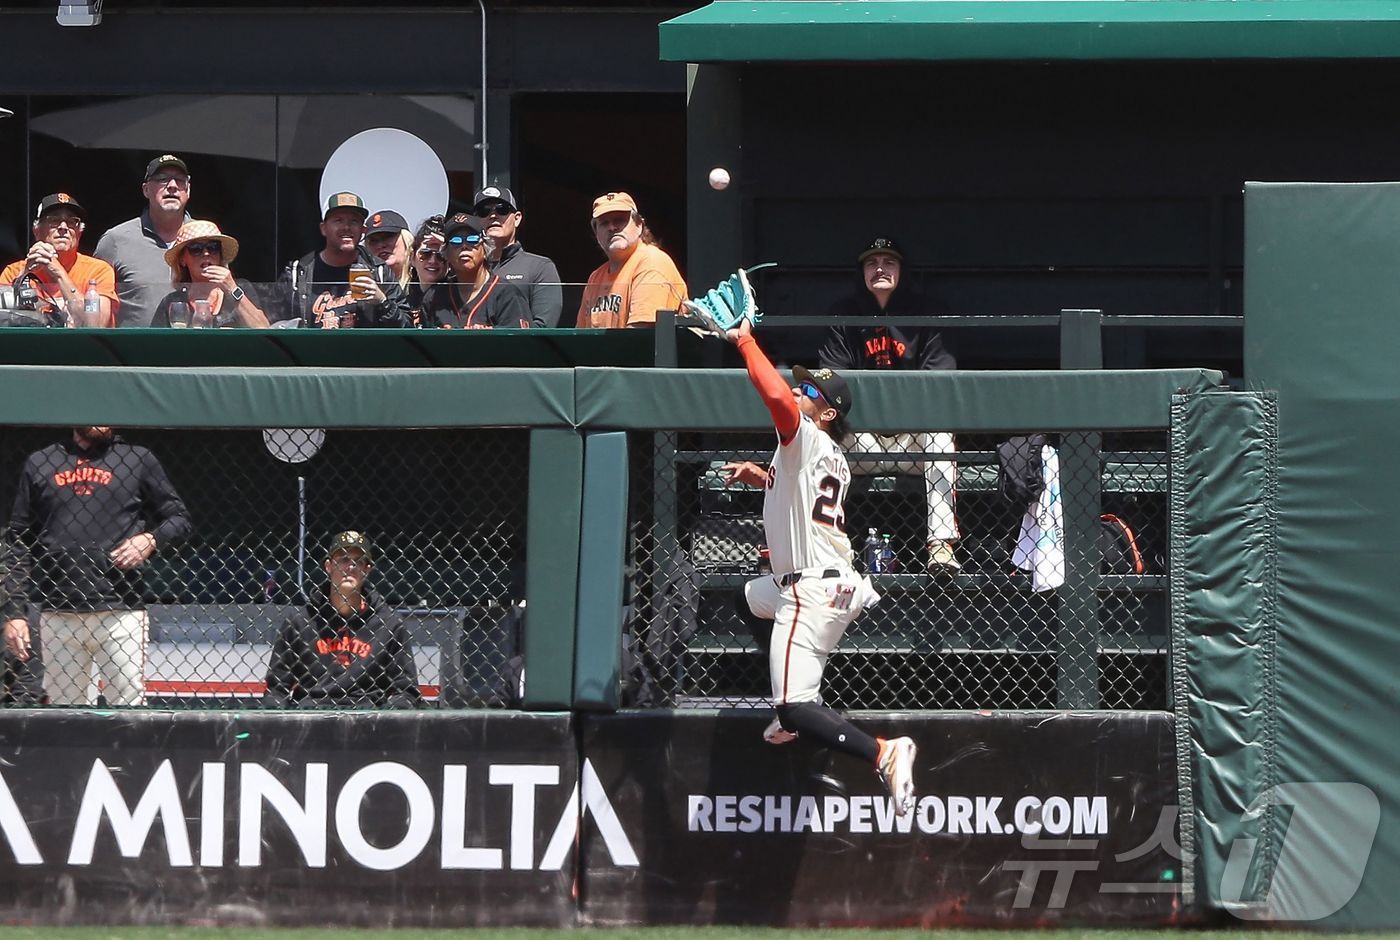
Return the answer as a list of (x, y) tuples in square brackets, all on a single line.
[(776, 393)]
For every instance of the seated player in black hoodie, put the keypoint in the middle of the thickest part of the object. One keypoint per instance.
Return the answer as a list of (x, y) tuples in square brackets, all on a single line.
[(887, 345), (347, 649)]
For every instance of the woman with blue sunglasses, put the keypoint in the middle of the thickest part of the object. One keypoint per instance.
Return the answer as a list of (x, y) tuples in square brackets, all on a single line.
[(471, 297)]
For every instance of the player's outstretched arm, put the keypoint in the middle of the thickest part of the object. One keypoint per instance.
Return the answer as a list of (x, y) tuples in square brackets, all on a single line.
[(776, 394), (746, 472)]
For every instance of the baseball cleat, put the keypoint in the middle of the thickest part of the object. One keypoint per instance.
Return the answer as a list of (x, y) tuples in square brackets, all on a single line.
[(896, 769), (775, 733), (942, 559)]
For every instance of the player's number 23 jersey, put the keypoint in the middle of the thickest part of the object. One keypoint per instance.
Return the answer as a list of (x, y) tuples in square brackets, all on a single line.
[(804, 514)]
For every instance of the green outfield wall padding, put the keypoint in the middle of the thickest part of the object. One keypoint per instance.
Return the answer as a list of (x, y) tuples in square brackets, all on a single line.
[(1322, 326), (601, 398), (385, 349), (296, 398), (551, 565), (602, 548), (715, 399), (1222, 621)]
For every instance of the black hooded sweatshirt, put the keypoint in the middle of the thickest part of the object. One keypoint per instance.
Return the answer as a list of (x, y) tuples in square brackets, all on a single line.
[(885, 347), (324, 659), (72, 508)]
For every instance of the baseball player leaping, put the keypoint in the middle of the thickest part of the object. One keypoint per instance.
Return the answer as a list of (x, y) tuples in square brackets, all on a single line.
[(814, 592)]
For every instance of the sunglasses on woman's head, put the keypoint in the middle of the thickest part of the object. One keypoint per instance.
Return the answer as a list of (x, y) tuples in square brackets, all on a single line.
[(460, 240), (425, 254), (204, 248)]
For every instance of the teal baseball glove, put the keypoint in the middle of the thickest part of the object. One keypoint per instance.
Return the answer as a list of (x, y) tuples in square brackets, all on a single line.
[(724, 307)]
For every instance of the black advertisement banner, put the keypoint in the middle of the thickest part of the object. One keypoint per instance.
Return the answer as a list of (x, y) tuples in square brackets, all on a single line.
[(462, 819), (1022, 818)]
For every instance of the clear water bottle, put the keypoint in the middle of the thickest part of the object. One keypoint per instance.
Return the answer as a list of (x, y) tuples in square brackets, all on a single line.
[(92, 301), (874, 558), (889, 562)]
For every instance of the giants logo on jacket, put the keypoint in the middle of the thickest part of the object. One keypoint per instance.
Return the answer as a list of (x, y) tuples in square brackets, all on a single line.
[(343, 648), (883, 349), (82, 479)]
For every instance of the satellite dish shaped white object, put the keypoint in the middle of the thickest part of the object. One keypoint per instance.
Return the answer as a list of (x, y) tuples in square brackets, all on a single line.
[(293, 445), (388, 169)]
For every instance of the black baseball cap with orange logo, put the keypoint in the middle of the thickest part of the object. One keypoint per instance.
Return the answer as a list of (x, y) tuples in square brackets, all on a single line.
[(59, 201), (345, 201), (385, 220)]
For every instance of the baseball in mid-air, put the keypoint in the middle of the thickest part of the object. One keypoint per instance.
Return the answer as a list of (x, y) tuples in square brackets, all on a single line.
[(719, 178)]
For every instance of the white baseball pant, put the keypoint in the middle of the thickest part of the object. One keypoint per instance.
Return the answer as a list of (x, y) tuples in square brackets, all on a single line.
[(115, 640), (940, 476), (810, 611)]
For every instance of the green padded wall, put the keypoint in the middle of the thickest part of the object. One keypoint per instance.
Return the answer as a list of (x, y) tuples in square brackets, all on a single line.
[(1322, 329), (1223, 624)]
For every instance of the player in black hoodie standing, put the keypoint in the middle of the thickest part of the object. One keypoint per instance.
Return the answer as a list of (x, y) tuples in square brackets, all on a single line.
[(347, 648), (891, 346), (77, 536)]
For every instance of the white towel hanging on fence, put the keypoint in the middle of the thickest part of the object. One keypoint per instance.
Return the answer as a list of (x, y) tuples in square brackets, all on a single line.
[(1040, 546)]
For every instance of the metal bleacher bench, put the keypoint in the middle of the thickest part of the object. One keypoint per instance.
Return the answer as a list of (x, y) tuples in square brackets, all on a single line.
[(1131, 474)]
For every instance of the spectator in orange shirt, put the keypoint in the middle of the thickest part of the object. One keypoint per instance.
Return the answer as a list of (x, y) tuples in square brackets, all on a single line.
[(59, 272), (637, 279)]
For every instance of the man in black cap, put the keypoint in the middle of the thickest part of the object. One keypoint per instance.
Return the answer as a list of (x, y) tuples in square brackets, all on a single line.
[(882, 293), (347, 648), (60, 273), (136, 248), (799, 613), (535, 274), (342, 285)]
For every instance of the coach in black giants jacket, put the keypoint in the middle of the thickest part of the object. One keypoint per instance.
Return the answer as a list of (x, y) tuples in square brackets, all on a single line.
[(347, 649), (88, 513)]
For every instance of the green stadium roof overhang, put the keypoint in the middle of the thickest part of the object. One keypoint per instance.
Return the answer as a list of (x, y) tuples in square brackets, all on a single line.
[(1070, 30)]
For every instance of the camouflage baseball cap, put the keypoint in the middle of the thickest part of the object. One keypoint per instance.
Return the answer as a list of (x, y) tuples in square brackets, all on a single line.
[(346, 541)]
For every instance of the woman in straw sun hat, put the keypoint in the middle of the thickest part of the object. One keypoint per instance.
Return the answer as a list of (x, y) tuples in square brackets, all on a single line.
[(206, 292)]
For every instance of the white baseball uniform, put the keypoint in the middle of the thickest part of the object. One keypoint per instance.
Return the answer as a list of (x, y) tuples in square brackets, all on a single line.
[(814, 592)]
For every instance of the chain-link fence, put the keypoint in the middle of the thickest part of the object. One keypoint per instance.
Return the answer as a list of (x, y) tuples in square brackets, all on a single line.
[(176, 567), (1017, 571)]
